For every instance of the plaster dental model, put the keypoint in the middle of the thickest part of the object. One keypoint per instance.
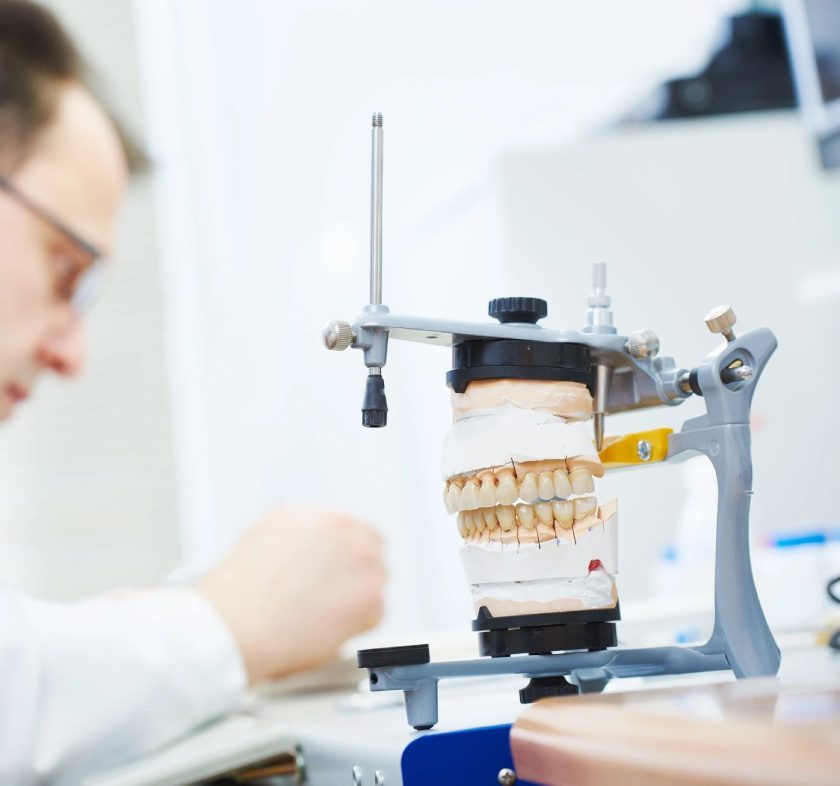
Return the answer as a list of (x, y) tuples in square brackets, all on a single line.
[(519, 464)]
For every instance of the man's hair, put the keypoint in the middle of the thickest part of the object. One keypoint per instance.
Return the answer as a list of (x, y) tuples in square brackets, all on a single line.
[(36, 58)]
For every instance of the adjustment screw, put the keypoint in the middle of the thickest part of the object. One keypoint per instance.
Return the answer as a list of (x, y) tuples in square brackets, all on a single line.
[(642, 344), (644, 450), (529, 310), (721, 319), (507, 777), (338, 335), (738, 374)]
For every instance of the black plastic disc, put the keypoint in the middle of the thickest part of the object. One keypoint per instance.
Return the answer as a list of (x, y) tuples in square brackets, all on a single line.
[(547, 639), (505, 358)]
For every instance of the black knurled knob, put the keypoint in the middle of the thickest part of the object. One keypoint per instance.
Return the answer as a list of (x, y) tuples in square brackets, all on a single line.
[(545, 687), (518, 309)]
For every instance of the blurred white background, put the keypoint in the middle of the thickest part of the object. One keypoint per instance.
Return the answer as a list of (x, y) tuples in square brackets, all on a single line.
[(210, 396)]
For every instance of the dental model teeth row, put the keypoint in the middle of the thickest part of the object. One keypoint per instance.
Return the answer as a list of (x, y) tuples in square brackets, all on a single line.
[(563, 513), (489, 488)]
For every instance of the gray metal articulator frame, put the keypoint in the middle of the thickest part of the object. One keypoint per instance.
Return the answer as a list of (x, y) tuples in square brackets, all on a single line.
[(628, 375), (741, 639)]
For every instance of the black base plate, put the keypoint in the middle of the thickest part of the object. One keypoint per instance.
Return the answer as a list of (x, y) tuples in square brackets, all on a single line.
[(542, 634)]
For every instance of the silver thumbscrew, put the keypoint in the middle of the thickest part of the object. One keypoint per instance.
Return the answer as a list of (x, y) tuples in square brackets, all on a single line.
[(642, 344), (338, 335), (721, 319)]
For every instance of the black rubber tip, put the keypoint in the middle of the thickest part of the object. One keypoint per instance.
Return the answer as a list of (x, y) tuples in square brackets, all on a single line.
[(375, 405)]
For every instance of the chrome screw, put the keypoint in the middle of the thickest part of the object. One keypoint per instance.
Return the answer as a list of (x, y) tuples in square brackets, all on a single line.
[(338, 335), (721, 319), (507, 777), (642, 344), (644, 450)]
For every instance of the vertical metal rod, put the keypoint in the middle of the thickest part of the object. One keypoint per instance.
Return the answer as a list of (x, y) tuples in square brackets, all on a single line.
[(603, 377), (376, 210)]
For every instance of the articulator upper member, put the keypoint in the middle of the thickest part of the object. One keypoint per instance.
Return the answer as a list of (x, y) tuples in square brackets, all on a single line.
[(520, 465)]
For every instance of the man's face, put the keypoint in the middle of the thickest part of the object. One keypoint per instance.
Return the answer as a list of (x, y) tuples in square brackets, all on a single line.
[(77, 172)]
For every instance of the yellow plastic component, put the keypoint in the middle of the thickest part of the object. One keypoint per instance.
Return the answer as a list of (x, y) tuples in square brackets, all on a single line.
[(643, 447)]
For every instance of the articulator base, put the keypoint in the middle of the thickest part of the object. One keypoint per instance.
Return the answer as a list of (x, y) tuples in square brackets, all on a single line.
[(501, 638), (410, 670)]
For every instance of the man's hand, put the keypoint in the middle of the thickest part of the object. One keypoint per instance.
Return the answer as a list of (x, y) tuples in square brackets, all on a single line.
[(298, 584)]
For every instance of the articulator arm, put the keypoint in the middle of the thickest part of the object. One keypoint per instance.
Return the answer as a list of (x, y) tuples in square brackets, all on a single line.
[(627, 373)]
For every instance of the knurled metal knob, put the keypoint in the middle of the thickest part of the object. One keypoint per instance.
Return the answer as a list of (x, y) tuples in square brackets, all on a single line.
[(642, 344), (338, 335), (518, 309), (721, 319)]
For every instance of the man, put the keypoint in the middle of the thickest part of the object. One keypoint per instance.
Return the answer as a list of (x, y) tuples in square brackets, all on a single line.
[(87, 685)]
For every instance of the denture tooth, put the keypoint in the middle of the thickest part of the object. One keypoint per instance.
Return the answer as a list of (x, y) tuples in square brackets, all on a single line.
[(490, 518), (581, 481), (507, 517), (487, 492), (467, 518), (544, 513), (451, 494), (562, 487), (462, 526), (545, 486), (453, 498), (528, 488), (507, 491), (478, 520), (564, 512), (525, 515), (469, 496), (585, 506)]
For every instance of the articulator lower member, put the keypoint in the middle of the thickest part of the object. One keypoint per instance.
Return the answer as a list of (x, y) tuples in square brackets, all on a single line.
[(519, 464)]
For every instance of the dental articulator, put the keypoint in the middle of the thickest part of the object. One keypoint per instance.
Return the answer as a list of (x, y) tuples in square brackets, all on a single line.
[(520, 462)]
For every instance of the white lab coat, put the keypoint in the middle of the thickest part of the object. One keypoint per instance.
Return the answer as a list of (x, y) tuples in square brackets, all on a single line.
[(88, 685)]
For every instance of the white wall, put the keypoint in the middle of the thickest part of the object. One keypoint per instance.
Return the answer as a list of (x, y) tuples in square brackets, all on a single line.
[(262, 135)]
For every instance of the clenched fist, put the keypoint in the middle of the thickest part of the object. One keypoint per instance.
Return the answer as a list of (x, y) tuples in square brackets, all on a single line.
[(298, 584)]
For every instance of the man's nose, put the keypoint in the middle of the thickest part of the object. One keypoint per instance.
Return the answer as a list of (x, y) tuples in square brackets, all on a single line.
[(64, 350)]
